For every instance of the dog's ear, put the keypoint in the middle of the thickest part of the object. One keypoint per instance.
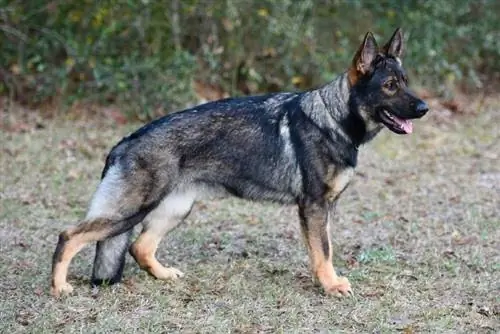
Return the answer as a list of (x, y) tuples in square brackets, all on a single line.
[(395, 47), (366, 54), (362, 61)]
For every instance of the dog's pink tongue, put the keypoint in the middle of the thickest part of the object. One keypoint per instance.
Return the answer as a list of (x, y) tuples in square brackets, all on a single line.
[(405, 124)]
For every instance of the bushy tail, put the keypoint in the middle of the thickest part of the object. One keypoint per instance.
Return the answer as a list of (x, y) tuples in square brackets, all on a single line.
[(110, 259)]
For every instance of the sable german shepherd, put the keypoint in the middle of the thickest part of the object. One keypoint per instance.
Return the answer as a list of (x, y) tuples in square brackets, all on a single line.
[(293, 148)]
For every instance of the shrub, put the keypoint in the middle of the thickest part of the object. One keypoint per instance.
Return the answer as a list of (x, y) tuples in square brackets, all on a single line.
[(145, 54)]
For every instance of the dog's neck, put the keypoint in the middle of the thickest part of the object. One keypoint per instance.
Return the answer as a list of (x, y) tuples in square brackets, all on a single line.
[(336, 96), (343, 120)]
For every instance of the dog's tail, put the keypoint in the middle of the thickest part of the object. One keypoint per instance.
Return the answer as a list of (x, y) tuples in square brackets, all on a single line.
[(120, 191), (110, 259)]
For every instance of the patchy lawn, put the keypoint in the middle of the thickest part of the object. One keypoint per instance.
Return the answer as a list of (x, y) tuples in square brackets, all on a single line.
[(417, 234)]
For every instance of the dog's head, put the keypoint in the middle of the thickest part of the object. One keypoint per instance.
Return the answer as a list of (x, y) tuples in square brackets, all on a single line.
[(380, 86)]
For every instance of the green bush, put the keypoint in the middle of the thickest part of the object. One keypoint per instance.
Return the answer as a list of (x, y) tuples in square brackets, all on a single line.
[(106, 52), (145, 54)]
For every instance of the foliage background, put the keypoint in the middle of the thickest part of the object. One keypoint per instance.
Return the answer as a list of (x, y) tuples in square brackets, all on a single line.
[(152, 55)]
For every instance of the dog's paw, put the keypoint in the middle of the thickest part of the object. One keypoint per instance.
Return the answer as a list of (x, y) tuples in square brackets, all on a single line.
[(62, 289), (339, 287), (169, 273)]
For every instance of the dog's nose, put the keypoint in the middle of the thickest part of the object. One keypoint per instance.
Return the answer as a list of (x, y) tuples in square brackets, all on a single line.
[(422, 108)]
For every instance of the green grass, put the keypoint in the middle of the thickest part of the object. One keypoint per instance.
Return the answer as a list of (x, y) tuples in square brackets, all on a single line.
[(416, 233)]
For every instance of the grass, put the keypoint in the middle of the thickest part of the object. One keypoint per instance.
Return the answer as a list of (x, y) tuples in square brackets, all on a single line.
[(416, 233)]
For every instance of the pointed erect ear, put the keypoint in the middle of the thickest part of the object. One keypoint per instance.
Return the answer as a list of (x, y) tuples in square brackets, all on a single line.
[(365, 55), (395, 47)]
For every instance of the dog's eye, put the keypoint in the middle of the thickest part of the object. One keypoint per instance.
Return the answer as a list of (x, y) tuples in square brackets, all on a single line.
[(391, 85)]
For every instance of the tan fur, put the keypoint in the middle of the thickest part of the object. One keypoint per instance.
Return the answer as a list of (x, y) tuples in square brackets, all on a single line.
[(353, 76), (316, 233), (338, 180), (143, 250), (74, 240), (159, 222)]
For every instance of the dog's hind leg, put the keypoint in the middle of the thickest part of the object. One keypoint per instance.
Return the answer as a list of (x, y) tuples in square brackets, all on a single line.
[(115, 209), (167, 215), (74, 239)]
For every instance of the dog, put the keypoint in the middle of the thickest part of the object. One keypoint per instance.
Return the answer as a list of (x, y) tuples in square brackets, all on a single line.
[(296, 148)]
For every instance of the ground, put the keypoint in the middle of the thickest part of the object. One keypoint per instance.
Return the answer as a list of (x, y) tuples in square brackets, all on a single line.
[(416, 233)]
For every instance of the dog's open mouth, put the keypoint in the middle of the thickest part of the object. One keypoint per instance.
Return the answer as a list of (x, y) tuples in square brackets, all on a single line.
[(396, 124)]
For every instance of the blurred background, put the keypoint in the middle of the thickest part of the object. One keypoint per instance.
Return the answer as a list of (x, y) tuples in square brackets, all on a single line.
[(152, 57)]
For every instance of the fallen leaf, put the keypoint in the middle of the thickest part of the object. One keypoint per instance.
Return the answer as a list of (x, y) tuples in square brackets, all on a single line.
[(484, 310), (67, 143), (116, 115), (404, 219), (20, 127), (10, 152), (407, 274), (449, 254), (408, 330), (27, 199), (352, 262), (73, 174), (22, 244), (464, 240), (370, 294), (400, 320), (253, 220)]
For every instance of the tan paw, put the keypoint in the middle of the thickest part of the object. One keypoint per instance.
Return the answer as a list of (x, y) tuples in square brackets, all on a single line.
[(169, 273), (339, 287), (62, 289)]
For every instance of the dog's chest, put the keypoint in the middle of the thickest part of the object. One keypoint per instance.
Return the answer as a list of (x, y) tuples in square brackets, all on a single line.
[(337, 179)]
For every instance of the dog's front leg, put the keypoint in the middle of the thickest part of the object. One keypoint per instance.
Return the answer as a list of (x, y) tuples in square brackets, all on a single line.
[(315, 224)]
